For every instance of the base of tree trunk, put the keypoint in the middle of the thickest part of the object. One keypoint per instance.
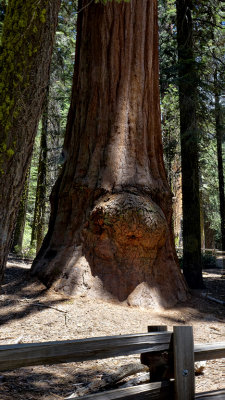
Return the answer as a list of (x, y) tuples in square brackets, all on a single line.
[(110, 233), (125, 255)]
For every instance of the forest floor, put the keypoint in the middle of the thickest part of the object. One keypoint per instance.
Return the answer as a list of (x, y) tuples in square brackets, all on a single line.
[(31, 313)]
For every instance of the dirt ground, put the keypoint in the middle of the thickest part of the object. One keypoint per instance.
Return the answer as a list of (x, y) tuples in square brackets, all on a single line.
[(31, 313)]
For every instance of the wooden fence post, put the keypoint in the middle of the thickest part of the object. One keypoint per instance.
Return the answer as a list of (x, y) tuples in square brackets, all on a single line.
[(183, 348), (157, 361)]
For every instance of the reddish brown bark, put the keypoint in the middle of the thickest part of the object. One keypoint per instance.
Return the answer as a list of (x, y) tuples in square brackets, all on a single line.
[(110, 227)]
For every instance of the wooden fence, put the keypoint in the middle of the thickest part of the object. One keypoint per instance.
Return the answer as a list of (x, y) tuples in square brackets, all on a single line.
[(176, 348), (213, 252)]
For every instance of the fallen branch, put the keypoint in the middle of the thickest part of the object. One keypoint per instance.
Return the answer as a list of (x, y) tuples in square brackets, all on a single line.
[(138, 380), (125, 371), (108, 381), (46, 306)]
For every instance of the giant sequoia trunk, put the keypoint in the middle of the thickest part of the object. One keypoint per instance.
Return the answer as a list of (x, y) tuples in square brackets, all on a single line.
[(110, 227), (27, 43)]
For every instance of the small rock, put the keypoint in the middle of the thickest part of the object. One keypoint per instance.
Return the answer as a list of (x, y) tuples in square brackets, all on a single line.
[(199, 367)]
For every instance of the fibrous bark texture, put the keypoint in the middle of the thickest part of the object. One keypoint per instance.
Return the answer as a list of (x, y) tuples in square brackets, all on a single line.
[(27, 43), (110, 227)]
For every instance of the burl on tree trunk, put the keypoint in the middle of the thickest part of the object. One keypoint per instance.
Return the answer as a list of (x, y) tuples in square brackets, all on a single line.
[(110, 228)]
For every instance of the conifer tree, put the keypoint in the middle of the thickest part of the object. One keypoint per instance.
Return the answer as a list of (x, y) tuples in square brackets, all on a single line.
[(188, 82), (27, 42), (38, 226), (17, 240)]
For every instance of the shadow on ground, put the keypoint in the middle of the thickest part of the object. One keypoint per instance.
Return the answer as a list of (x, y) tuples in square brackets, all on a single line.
[(22, 296), (202, 308), (46, 383), (19, 288)]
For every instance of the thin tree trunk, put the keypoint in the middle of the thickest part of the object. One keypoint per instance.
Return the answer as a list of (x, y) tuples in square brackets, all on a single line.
[(219, 138), (189, 147), (110, 227), (27, 43), (21, 218), (202, 223), (38, 226)]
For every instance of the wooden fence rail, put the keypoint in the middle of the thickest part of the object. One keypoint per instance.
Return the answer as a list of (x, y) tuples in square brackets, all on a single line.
[(179, 343), (214, 252), (156, 391), (29, 354), (150, 391)]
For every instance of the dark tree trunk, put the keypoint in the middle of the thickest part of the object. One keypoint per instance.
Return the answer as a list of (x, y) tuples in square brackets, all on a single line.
[(21, 218), (219, 138), (38, 226), (110, 227), (189, 147), (27, 42)]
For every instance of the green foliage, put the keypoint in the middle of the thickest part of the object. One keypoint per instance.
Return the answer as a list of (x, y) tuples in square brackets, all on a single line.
[(170, 124), (31, 196), (61, 76), (209, 49), (167, 43), (62, 68), (209, 181)]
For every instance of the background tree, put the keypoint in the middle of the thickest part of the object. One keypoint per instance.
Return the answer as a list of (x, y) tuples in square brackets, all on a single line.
[(205, 20), (27, 42), (218, 56), (110, 225), (188, 81), (61, 75), (170, 108), (168, 81), (17, 240), (219, 125), (38, 227), (208, 47)]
